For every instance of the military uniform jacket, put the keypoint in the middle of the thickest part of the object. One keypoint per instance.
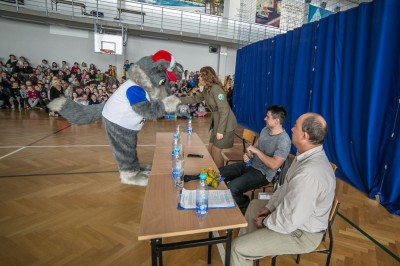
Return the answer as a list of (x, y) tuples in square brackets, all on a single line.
[(223, 120)]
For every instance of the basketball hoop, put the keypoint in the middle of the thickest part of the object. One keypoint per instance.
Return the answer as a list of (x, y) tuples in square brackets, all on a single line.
[(107, 51)]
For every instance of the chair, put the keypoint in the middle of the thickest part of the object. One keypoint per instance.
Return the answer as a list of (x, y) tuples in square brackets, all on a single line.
[(325, 247), (248, 137), (279, 178)]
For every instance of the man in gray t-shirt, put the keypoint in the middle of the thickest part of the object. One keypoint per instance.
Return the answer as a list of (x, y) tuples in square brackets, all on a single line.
[(261, 161)]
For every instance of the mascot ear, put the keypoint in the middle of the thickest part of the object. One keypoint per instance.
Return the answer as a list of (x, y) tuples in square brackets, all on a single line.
[(178, 71)]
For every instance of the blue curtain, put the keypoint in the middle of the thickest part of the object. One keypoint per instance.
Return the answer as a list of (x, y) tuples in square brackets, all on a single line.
[(347, 68)]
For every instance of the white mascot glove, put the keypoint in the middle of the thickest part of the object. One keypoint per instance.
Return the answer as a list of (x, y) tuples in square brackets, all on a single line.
[(171, 103)]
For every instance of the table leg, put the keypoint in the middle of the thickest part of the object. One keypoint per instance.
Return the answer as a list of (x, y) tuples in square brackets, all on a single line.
[(160, 259), (154, 252), (210, 236), (228, 247)]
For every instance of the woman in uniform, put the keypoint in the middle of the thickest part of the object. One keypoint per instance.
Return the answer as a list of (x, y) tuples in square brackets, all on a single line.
[(223, 121)]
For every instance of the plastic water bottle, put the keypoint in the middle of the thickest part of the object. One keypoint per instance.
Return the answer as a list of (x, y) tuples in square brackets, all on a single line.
[(175, 144), (189, 128), (202, 197), (178, 130), (250, 155), (177, 168)]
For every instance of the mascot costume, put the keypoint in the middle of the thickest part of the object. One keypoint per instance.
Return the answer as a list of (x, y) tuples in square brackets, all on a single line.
[(144, 96)]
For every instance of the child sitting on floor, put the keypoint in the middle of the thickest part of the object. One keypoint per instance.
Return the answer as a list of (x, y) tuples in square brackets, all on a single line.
[(193, 109), (201, 110)]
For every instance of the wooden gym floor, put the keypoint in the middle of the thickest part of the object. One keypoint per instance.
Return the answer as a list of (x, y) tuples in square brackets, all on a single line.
[(61, 202)]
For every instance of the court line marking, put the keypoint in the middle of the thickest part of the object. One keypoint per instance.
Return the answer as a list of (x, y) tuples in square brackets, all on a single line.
[(373, 240), (69, 173), (220, 246), (10, 153), (80, 145)]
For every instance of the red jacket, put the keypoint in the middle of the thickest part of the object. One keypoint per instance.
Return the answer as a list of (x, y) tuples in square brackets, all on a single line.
[(32, 94)]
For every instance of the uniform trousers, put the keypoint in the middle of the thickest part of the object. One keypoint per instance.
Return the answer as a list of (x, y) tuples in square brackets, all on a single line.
[(253, 243)]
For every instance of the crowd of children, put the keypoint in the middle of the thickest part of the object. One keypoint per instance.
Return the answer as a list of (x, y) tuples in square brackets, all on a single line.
[(23, 86)]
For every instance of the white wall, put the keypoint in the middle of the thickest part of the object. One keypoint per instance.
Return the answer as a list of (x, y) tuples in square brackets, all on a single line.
[(191, 56), (35, 42)]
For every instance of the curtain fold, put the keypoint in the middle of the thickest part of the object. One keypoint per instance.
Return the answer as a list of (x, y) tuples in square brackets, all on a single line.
[(345, 67)]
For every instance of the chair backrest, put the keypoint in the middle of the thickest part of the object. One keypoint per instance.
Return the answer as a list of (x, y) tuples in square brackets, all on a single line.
[(249, 137), (285, 167), (334, 167), (280, 177), (332, 215), (335, 207), (335, 204)]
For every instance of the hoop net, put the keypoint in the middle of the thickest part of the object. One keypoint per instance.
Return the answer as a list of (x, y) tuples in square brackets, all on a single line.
[(107, 51)]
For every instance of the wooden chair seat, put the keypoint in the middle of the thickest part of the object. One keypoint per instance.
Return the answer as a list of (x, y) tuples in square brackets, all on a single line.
[(232, 156), (130, 11), (68, 2), (321, 248)]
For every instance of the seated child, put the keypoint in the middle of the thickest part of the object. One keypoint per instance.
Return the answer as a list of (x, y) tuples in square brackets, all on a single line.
[(201, 110), (183, 111), (193, 109)]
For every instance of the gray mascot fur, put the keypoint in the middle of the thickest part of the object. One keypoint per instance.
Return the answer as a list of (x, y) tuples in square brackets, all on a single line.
[(144, 96)]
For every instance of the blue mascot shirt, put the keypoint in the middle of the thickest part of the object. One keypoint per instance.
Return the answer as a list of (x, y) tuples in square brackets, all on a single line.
[(118, 109)]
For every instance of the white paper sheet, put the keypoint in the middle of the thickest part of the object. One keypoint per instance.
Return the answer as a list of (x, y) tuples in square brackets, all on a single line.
[(216, 199)]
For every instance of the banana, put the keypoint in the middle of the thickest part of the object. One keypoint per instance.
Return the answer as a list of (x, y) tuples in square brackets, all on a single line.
[(212, 177)]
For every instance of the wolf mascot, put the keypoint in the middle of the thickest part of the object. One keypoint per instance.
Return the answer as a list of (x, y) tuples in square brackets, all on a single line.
[(145, 95)]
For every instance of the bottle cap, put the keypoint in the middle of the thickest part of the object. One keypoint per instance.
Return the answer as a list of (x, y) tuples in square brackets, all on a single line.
[(203, 176), (177, 149)]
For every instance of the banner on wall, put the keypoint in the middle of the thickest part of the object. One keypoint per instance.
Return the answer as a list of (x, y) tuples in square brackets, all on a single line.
[(316, 13), (268, 12)]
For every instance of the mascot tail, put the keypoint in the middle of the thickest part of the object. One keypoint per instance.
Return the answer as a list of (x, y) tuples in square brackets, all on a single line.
[(76, 113)]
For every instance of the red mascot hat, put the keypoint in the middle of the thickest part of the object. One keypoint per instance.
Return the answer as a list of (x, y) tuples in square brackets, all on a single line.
[(164, 55)]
